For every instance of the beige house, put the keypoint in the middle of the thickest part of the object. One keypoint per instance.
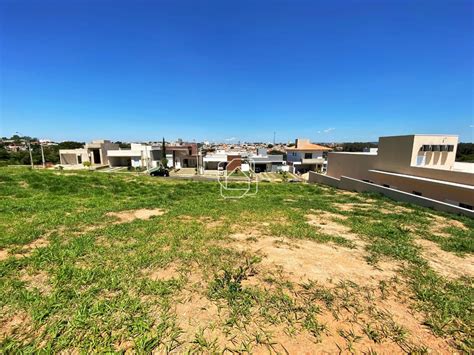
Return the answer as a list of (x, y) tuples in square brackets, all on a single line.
[(94, 152), (422, 165)]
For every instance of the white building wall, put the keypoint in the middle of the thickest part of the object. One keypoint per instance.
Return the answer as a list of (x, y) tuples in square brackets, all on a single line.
[(297, 156)]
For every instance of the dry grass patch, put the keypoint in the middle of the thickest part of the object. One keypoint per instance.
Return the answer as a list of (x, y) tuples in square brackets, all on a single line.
[(352, 206), (14, 324), (446, 263), (36, 281), (441, 223), (4, 254), (25, 250), (208, 222), (326, 222), (131, 215), (193, 312), (303, 260), (162, 274), (393, 209)]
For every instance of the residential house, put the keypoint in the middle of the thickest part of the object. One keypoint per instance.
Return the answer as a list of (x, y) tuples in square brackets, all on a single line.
[(422, 165), (261, 161), (138, 156), (306, 156), (94, 152), (180, 155)]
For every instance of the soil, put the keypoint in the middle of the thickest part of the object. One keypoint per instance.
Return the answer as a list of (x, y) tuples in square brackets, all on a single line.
[(129, 216), (327, 224), (162, 274), (16, 323), (3, 254), (446, 263), (36, 281), (440, 223), (303, 260)]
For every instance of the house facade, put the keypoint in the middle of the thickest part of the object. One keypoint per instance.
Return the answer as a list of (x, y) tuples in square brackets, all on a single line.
[(94, 152), (146, 156), (138, 156), (306, 156), (182, 155), (422, 165), (262, 161)]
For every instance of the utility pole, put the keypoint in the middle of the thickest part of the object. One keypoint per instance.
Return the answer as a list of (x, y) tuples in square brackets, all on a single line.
[(31, 154), (42, 156)]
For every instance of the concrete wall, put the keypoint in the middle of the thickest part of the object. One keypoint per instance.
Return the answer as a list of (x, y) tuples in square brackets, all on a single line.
[(356, 165), (68, 159), (103, 151), (444, 160), (323, 179), (351, 184), (394, 153), (70, 156), (430, 189)]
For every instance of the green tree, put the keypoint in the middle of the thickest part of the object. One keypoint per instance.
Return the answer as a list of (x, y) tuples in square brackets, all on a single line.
[(164, 161)]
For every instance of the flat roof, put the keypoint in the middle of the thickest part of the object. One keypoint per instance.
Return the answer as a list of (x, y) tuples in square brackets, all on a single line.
[(355, 153), (422, 134), (463, 167), (419, 178)]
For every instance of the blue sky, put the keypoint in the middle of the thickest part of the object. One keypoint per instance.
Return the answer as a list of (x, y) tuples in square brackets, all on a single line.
[(217, 70)]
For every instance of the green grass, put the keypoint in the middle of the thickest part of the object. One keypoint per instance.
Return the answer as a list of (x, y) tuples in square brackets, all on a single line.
[(92, 291)]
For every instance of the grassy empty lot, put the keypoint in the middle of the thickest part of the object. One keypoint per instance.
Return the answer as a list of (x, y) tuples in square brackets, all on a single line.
[(104, 262)]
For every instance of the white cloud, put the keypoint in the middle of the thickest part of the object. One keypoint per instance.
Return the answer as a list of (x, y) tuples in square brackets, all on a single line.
[(230, 139), (472, 126), (327, 130)]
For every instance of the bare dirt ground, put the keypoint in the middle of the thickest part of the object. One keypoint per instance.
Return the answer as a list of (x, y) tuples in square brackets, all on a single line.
[(303, 260), (445, 263), (129, 216)]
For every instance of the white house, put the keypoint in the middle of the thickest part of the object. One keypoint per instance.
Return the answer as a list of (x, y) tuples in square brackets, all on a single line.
[(262, 160), (306, 156)]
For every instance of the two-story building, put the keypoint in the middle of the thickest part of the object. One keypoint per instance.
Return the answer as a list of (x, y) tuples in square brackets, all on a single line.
[(146, 156), (261, 161), (306, 156)]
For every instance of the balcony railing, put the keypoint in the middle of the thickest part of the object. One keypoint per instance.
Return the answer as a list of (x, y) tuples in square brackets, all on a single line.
[(312, 161)]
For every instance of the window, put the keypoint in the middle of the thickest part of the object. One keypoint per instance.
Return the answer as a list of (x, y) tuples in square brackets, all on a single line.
[(450, 148), (420, 160), (308, 155), (293, 154), (417, 193), (465, 205), (79, 159), (436, 148)]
